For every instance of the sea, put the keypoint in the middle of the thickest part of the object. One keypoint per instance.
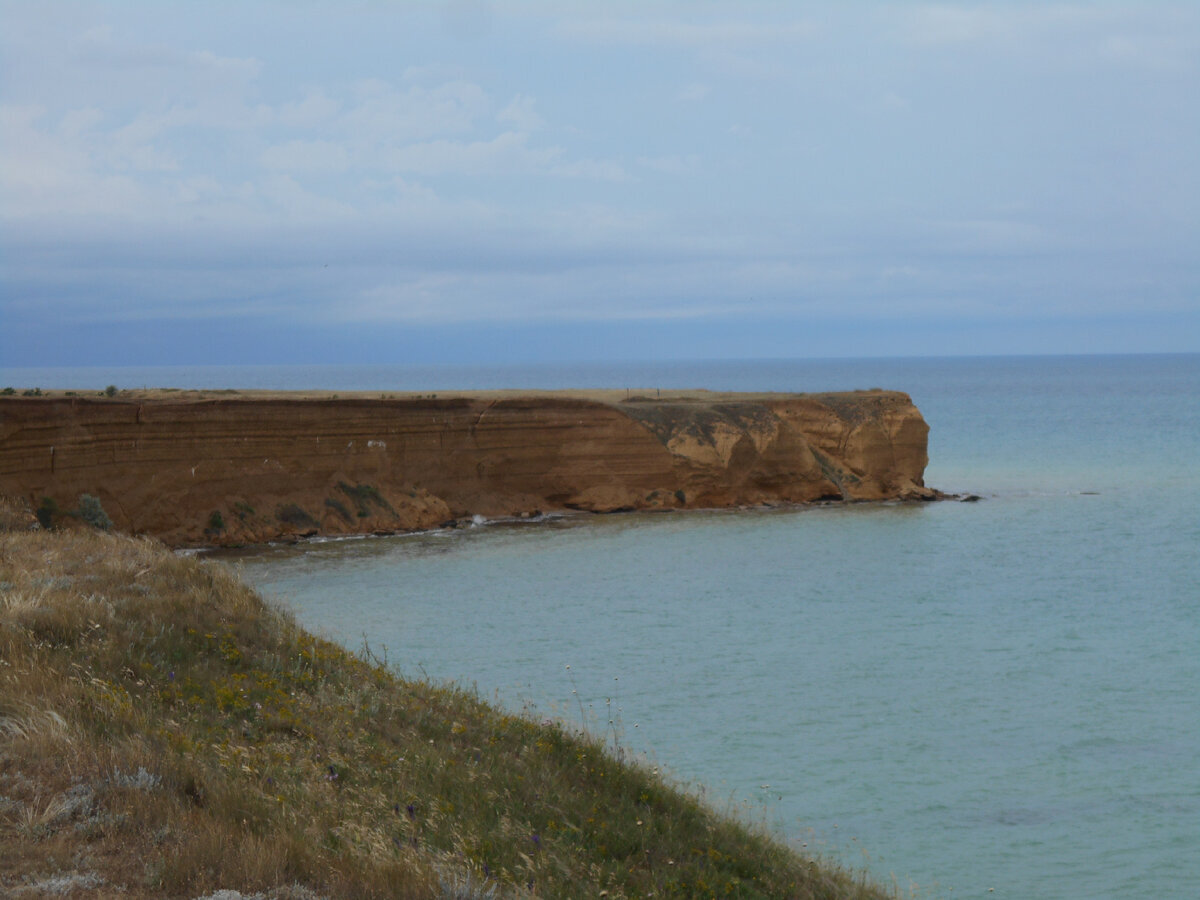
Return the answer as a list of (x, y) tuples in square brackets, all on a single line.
[(997, 698)]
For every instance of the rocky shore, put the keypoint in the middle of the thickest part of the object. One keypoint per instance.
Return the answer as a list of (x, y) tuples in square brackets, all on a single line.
[(229, 467)]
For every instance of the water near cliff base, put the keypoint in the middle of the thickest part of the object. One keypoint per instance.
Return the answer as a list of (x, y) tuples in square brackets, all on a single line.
[(983, 699)]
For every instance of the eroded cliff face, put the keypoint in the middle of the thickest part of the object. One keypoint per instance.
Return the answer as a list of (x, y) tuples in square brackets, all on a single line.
[(242, 470)]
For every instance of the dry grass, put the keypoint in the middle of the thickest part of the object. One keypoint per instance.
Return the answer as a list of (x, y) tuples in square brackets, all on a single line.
[(165, 733), (15, 516)]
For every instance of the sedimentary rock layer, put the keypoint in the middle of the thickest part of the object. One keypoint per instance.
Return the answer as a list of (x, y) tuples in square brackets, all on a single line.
[(253, 468)]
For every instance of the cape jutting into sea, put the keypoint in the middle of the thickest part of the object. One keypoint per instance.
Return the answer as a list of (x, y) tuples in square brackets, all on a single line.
[(964, 697)]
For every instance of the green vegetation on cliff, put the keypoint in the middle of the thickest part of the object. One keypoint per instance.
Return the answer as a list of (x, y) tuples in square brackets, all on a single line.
[(164, 732)]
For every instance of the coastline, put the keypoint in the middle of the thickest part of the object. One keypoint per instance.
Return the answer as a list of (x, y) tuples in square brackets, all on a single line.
[(168, 733), (229, 468)]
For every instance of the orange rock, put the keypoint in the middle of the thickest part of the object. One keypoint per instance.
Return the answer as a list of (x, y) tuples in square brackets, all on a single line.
[(252, 468)]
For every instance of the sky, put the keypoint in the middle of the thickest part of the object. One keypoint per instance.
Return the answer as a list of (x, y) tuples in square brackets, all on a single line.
[(468, 182)]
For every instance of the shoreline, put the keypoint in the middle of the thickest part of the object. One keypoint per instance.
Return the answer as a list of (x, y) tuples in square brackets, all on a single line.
[(227, 468), (169, 733), (580, 516)]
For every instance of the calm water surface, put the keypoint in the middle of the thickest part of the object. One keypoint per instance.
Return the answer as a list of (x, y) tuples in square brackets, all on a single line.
[(998, 695)]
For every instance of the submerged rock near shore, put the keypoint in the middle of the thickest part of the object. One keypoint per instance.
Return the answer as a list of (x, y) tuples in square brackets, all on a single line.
[(249, 467)]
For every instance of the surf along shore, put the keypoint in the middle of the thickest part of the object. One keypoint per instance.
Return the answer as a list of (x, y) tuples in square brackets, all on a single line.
[(224, 468), (164, 732)]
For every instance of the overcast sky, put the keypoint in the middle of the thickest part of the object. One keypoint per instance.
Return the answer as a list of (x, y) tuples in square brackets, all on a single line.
[(468, 181)]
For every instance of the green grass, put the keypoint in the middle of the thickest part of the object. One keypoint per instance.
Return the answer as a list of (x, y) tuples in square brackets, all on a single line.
[(165, 732)]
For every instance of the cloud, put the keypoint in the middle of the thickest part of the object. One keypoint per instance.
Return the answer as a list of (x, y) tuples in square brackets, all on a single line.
[(505, 154), (47, 174), (903, 159), (1173, 52), (466, 19), (508, 153), (1154, 37), (219, 158), (957, 24), (671, 165), (520, 115), (685, 34), (307, 156), (97, 47), (383, 113), (600, 169), (315, 109), (290, 200), (76, 121)]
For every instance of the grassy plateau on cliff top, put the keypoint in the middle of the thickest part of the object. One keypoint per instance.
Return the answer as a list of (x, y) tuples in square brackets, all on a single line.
[(164, 732)]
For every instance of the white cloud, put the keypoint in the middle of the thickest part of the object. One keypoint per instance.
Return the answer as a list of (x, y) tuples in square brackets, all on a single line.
[(444, 191), (197, 161), (76, 121), (1172, 52), (314, 110), (505, 154), (672, 165), (1152, 36), (291, 201), (383, 113), (98, 47), (602, 169), (46, 175), (686, 34), (412, 193), (520, 114), (307, 156), (957, 24), (466, 19)]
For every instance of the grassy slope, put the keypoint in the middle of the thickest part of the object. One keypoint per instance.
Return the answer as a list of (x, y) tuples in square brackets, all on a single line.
[(164, 732)]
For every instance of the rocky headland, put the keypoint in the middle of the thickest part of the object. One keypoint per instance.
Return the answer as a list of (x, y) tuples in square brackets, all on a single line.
[(226, 468)]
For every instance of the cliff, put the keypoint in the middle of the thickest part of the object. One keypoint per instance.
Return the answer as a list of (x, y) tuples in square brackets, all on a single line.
[(241, 468)]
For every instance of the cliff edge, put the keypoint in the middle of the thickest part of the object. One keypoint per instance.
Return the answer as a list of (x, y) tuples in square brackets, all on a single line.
[(250, 467)]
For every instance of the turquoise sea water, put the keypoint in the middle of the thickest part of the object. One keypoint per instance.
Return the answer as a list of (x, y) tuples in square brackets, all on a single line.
[(986, 699)]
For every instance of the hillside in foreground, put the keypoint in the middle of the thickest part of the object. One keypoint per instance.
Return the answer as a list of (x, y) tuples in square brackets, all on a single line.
[(164, 732)]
